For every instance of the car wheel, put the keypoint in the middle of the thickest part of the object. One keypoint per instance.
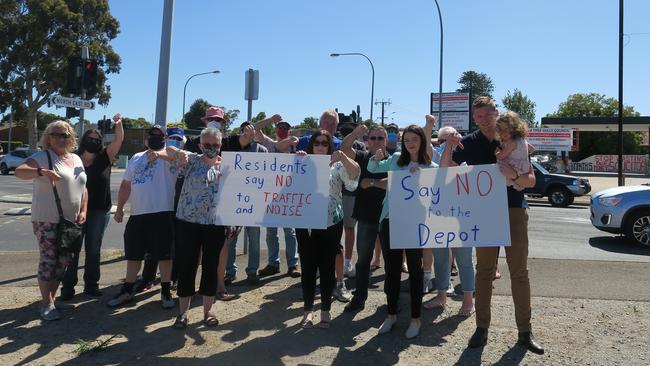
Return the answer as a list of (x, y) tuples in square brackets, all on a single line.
[(3, 169), (637, 227), (560, 197)]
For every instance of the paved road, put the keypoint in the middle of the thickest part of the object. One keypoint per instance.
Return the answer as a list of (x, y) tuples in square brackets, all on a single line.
[(555, 233)]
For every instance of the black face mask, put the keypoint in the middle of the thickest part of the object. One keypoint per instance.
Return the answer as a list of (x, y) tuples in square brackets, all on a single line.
[(93, 146), (156, 142)]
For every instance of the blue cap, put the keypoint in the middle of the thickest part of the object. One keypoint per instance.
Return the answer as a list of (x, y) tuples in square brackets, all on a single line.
[(175, 132)]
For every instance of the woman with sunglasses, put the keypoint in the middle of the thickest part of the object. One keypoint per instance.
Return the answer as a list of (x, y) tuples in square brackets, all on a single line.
[(68, 177), (97, 162), (318, 248), (414, 155)]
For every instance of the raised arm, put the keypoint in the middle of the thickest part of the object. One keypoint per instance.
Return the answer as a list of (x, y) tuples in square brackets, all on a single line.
[(348, 141), (114, 147), (428, 130)]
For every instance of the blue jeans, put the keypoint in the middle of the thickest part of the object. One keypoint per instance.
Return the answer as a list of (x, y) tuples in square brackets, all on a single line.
[(442, 268), (273, 245), (252, 239), (93, 232), (366, 236)]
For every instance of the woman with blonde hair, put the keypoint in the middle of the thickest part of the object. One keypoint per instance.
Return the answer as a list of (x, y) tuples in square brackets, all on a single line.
[(54, 170)]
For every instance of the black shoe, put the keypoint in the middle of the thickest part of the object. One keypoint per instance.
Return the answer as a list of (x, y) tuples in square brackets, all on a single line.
[(229, 278), (355, 305), (294, 271), (94, 292), (479, 338), (66, 295), (253, 279), (527, 340), (269, 270)]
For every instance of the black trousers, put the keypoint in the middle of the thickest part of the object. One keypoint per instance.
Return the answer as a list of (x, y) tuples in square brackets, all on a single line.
[(191, 240), (393, 264), (318, 250)]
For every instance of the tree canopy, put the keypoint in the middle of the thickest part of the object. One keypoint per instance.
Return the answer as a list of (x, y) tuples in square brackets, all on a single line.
[(516, 101), (591, 142), (477, 84), (36, 40)]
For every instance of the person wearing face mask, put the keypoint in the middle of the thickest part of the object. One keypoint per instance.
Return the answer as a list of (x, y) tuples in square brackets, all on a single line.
[(97, 162), (176, 139), (149, 183), (392, 142)]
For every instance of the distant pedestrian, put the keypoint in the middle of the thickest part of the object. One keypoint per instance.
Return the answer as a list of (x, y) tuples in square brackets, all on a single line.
[(55, 167)]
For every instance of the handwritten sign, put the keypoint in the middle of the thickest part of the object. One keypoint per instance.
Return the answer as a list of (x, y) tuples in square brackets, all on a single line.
[(463, 206), (274, 190)]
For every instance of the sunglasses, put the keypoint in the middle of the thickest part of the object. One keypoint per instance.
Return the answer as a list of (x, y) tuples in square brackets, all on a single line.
[(215, 120), (93, 139), (176, 138), (60, 135), (283, 127), (323, 143), (376, 138)]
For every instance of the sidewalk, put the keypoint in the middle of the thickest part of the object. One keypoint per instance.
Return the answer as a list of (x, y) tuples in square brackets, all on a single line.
[(582, 315)]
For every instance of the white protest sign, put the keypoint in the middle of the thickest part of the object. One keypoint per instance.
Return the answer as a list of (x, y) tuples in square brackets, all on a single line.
[(463, 206), (273, 190)]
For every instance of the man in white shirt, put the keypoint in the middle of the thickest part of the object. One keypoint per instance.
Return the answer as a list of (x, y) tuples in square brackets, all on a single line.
[(149, 183)]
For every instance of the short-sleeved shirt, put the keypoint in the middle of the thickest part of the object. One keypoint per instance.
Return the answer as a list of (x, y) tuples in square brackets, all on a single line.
[(198, 199), (152, 184), (99, 182), (479, 150), (339, 178), (70, 188), (369, 201)]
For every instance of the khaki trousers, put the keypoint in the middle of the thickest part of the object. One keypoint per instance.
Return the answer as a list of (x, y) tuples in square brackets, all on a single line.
[(517, 258)]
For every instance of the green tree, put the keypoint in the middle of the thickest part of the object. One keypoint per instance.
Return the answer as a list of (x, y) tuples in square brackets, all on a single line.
[(309, 122), (477, 84), (520, 103), (592, 142), (135, 122), (42, 118), (36, 40)]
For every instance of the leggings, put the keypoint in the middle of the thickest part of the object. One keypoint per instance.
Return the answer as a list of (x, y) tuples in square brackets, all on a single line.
[(318, 249)]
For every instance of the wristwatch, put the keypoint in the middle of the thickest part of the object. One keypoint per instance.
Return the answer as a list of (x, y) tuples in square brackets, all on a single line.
[(372, 182)]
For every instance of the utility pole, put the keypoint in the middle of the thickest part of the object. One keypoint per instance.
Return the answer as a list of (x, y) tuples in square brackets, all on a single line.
[(84, 56), (163, 63), (383, 103)]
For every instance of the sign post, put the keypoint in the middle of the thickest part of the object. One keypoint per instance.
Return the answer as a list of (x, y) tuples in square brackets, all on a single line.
[(455, 110)]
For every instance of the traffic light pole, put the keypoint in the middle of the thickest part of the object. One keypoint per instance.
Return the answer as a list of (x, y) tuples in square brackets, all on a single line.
[(84, 57)]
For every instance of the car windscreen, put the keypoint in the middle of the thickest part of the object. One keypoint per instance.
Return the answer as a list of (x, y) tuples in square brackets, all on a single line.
[(539, 167)]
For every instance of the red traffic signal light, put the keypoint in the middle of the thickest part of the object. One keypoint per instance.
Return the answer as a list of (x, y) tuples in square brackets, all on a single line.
[(90, 78)]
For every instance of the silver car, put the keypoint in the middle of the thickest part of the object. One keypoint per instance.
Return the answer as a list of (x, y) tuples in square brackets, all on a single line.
[(623, 210), (12, 160)]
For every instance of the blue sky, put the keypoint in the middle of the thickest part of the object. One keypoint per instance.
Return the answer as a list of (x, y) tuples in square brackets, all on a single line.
[(549, 49)]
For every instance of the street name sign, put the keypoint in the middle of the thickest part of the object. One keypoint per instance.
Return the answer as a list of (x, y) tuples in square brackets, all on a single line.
[(71, 102)]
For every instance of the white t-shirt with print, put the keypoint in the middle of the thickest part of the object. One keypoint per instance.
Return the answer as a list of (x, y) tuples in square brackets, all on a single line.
[(152, 185)]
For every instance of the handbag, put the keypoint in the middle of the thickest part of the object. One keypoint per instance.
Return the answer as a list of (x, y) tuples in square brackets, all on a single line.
[(68, 233)]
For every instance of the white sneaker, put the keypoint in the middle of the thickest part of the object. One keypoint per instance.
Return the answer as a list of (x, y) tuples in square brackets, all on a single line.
[(341, 293), (413, 330), (49, 312), (387, 325), (120, 299), (167, 301), (450, 290), (349, 271), (426, 283)]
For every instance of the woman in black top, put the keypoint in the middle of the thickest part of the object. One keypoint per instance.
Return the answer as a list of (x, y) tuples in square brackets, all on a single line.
[(97, 162)]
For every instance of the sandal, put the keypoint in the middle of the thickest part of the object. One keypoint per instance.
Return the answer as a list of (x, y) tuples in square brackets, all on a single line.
[(225, 296), (181, 322), (210, 320), (374, 267), (434, 304), (307, 322), (466, 312)]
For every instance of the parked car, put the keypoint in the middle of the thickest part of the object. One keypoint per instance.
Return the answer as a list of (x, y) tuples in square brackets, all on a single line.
[(561, 189), (13, 159), (623, 210)]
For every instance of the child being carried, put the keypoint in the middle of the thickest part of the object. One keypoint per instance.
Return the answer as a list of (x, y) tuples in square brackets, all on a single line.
[(512, 131)]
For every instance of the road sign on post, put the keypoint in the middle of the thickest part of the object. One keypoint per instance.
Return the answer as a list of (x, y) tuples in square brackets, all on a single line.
[(71, 102), (455, 110)]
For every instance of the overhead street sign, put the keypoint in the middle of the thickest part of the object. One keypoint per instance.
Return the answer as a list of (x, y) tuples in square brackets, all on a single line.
[(71, 102)]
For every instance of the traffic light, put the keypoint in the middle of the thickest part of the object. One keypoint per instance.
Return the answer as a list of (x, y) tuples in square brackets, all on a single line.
[(90, 78), (71, 112), (74, 75), (104, 125)]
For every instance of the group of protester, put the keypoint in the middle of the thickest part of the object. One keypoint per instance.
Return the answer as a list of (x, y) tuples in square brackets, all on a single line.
[(172, 188)]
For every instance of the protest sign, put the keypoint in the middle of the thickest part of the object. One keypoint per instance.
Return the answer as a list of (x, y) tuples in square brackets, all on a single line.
[(463, 206), (274, 190)]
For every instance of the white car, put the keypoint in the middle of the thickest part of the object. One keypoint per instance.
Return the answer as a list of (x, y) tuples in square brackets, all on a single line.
[(13, 159)]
